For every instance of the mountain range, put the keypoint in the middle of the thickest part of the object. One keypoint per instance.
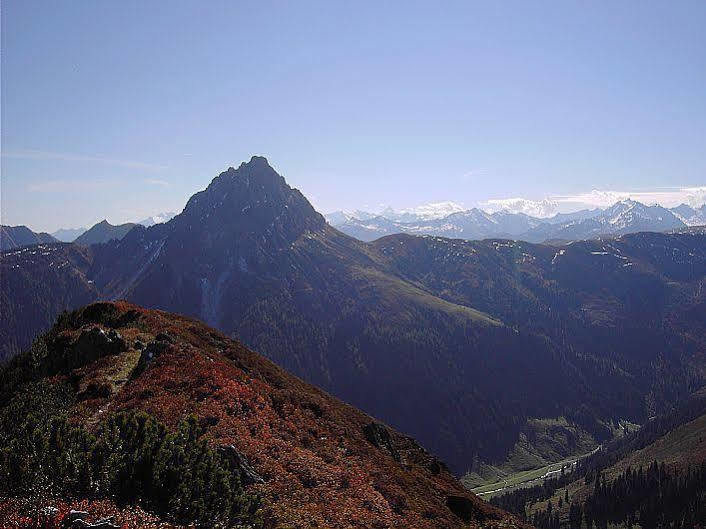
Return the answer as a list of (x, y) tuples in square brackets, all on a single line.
[(452, 220), (17, 236), (461, 344), (101, 232), (104, 231)]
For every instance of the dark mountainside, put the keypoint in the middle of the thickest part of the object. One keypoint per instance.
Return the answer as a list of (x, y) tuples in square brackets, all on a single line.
[(103, 232), (18, 236), (456, 343), (263, 448), (36, 284)]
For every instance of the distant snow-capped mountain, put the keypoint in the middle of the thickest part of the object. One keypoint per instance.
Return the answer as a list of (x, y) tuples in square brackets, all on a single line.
[(629, 216), (424, 212), (540, 209), (690, 216), (466, 224), (336, 218), (582, 214), (433, 210), (159, 218), (626, 216)]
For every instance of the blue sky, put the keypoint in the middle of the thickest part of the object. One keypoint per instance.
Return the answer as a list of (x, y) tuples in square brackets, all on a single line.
[(124, 109)]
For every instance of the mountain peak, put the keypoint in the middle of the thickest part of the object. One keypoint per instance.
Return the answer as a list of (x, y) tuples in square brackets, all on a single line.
[(252, 202), (629, 202), (15, 236), (255, 161), (258, 160), (434, 210), (103, 232)]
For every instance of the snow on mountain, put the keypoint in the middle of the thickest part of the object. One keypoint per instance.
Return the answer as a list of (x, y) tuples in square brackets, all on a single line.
[(339, 217), (628, 215), (159, 218), (515, 223), (689, 215), (434, 210), (625, 216), (466, 224), (582, 214), (336, 218), (619, 214), (539, 209), (366, 220)]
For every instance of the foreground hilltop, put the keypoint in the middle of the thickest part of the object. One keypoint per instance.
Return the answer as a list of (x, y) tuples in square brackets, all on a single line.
[(303, 458)]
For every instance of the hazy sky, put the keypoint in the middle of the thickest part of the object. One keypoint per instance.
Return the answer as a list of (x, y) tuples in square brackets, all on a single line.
[(123, 109)]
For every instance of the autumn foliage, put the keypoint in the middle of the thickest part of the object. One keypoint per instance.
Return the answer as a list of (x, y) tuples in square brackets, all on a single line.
[(315, 465)]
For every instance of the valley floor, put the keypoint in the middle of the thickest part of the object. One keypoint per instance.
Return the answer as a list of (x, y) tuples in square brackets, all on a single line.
[(529, 478)]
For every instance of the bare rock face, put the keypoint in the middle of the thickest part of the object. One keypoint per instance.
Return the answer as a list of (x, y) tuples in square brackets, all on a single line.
[(462, 507), (239, 462), (379, 436), (97, 341), (151, 351), (437, 466)]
